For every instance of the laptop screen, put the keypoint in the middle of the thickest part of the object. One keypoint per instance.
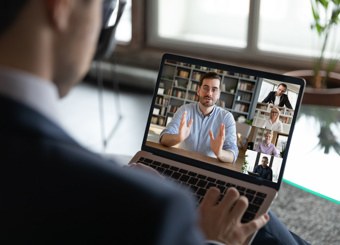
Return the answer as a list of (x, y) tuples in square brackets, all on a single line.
[(224, 117)]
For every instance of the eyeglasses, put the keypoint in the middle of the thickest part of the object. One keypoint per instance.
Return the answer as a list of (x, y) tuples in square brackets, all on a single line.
[(206, 89), (274, 112)]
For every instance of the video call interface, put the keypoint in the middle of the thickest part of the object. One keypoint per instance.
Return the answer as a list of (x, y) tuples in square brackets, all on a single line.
[(262, 111)]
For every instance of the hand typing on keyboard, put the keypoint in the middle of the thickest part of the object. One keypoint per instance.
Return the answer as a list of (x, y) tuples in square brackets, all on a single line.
[(221, 221)]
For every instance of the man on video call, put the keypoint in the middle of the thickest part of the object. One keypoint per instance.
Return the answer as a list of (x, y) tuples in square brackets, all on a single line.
[(266, 146), (56, 192), (204, 127), (278, 98), (264, 170)]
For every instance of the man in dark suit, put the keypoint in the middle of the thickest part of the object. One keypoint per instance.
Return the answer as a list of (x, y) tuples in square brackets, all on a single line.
[(53, 191), (278, 98)]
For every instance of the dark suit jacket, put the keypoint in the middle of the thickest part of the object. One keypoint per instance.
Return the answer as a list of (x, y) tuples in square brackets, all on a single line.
[(284, 101), (53, 191)]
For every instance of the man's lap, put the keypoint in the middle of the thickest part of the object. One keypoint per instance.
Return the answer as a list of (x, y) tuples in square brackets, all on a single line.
[(274, 232)]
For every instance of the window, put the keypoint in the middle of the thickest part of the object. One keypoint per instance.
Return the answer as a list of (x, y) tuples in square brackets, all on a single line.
[(260, 30), (285, 27), (266, 88), (276, 167), (251, 159), (123, 33), (213, 22)]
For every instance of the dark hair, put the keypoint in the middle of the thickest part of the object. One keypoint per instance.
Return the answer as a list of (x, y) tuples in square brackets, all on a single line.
[(9, 11), (265, 158), (283, 85), (210, 75)]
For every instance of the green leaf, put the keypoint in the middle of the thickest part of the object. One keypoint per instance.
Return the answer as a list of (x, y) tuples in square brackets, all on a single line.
[(315, 14), (319, 28), (336, 2), (323, 3)]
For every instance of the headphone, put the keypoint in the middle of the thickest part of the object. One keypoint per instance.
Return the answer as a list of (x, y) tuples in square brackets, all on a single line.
[(106, 43)]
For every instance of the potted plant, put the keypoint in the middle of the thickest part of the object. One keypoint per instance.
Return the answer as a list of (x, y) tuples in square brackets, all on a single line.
[(245, 164), (323, 84), (327, 119)]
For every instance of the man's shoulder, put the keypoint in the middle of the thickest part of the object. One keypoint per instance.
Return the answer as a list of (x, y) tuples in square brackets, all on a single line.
[(222, 111)]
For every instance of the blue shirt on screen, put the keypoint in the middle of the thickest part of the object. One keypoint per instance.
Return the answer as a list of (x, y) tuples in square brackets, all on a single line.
[(199, 139)]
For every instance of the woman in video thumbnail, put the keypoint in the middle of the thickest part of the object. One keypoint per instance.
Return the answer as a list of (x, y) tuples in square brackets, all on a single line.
[(273, 123)]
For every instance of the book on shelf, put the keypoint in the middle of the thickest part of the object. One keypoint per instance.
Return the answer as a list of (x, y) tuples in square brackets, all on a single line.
[(196, 76), (241, 107), (154, 120), (193, 97), (176, 83), (173, 108), (156, 111), (223, 87), (159, 100), (166, 101), (182, 73), (163, 111), (171, 62), (189, 84), (246, 86), (178, 93), (285, 120), (194, 86), (244, 97), (160, 91), (161, 121), (261, 107), (221, 103)]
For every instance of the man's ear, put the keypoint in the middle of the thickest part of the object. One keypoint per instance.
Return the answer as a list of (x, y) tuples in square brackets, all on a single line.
[(58, 12)]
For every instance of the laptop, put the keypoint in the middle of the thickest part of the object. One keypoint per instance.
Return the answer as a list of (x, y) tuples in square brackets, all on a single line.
[(242, 94)]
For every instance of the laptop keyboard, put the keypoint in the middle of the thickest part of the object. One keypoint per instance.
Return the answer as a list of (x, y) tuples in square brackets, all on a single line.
[(199, 184)]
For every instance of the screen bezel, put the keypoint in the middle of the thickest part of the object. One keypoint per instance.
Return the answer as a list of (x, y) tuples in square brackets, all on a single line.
[(210, 167)]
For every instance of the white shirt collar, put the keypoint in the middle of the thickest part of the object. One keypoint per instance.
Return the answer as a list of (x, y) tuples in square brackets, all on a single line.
[(31, 90)]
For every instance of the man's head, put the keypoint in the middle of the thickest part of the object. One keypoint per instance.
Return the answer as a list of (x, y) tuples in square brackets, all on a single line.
[(281, 89), (268, 137), (209, 89), (264, 161), (54, 39)]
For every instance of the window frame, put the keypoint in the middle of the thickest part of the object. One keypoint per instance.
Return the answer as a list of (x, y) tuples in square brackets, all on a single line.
[(250, 53)]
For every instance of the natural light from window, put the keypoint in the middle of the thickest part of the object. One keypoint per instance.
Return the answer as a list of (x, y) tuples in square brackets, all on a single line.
[(124, 29), (213, 22), (285, 27)]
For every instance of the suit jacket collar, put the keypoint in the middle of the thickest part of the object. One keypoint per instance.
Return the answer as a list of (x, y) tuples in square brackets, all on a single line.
[(20, 120)]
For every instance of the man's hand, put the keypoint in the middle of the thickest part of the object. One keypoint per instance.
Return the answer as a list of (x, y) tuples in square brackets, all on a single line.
[(222, 222), (216, 144), (184, 129)]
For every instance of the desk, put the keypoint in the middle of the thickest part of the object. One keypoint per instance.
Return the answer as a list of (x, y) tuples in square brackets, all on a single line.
[(236, 167), (309, 166)]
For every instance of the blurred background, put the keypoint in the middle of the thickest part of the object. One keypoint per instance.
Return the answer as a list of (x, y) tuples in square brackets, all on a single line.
[(107, 113)]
